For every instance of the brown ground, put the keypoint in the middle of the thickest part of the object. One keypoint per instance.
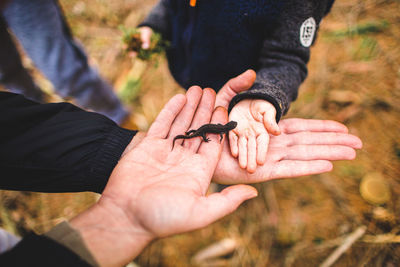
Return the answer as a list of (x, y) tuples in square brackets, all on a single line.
[(354, 78)]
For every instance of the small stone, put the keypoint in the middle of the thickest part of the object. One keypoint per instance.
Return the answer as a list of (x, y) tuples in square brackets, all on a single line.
[(79, 8), (381, 214), (374, 189), (344, 97)]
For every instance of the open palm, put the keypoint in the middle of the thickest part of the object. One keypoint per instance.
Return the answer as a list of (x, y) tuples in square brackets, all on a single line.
[(305, 147), (165, 188)]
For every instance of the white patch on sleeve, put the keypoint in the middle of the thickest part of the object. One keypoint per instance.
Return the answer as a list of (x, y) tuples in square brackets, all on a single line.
[(307, 32)]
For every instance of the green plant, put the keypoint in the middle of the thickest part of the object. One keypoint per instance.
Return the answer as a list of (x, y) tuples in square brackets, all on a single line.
[(133, 43)]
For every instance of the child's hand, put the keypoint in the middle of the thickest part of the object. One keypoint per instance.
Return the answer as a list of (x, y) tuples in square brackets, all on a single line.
[(145, 36), (249, 140)]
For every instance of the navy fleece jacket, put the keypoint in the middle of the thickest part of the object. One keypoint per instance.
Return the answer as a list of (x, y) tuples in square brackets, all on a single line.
[(217, 40)]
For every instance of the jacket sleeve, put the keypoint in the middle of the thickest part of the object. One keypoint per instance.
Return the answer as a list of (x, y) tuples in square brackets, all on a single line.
[(39, 250), (56, 147), (159, 18), (285, 54)]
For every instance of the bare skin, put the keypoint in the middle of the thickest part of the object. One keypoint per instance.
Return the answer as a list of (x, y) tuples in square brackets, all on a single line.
[(249, 141), (154, 192), (330, 140), (256, 121)]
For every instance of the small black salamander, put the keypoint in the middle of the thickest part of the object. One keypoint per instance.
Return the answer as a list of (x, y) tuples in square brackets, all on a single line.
[(207, 128)]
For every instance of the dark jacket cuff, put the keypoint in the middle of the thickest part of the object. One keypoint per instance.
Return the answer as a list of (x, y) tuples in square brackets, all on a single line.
[(70, 238), (275, 97), (36, 250), (108, 156)]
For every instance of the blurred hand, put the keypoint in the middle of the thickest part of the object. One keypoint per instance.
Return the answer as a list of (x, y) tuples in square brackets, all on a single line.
[(145, 36), (305, 147), (249, 140), (155, 191)]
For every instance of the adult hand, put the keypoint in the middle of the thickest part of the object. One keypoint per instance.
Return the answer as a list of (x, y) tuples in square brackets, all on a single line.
[(304, 147), (155, 191)]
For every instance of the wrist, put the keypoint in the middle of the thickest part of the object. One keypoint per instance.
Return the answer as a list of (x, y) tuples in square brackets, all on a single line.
[(134, 142), (112, 237)]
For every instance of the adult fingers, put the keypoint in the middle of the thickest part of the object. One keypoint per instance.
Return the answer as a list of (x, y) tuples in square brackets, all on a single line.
[(234, 86), (211, 150), (319, 152), (202, 116), (298, 125), (294, 168), (166, 117), (218, 205), (324, 138), (184, 119)]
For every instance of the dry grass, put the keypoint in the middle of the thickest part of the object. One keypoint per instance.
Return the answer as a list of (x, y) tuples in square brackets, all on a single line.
[(308, 217)]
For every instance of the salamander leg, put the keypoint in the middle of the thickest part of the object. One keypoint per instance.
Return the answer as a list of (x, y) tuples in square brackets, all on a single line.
[(221, 136), (205, 139)]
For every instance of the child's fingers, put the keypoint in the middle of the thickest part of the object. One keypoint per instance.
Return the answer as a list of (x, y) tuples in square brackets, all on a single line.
[(251, 154), (233, 143), (242, 152), (132, 54), (262, 148), (145, 36)]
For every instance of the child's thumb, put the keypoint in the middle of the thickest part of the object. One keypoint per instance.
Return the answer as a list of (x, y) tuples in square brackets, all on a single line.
[(270, 124)]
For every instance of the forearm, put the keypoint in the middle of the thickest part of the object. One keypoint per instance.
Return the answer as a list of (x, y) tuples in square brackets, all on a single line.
[(135, 141), (100, 236), (112, 237), (56, 147)]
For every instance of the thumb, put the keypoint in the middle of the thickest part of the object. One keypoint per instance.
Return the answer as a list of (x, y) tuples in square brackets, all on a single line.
[(270, 123), (218, 205), (234, 86)]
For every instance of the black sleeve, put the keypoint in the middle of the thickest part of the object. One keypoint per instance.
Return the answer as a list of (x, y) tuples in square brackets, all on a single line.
[(56, 147), (282, 64), (36, 250), (159, 18)]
